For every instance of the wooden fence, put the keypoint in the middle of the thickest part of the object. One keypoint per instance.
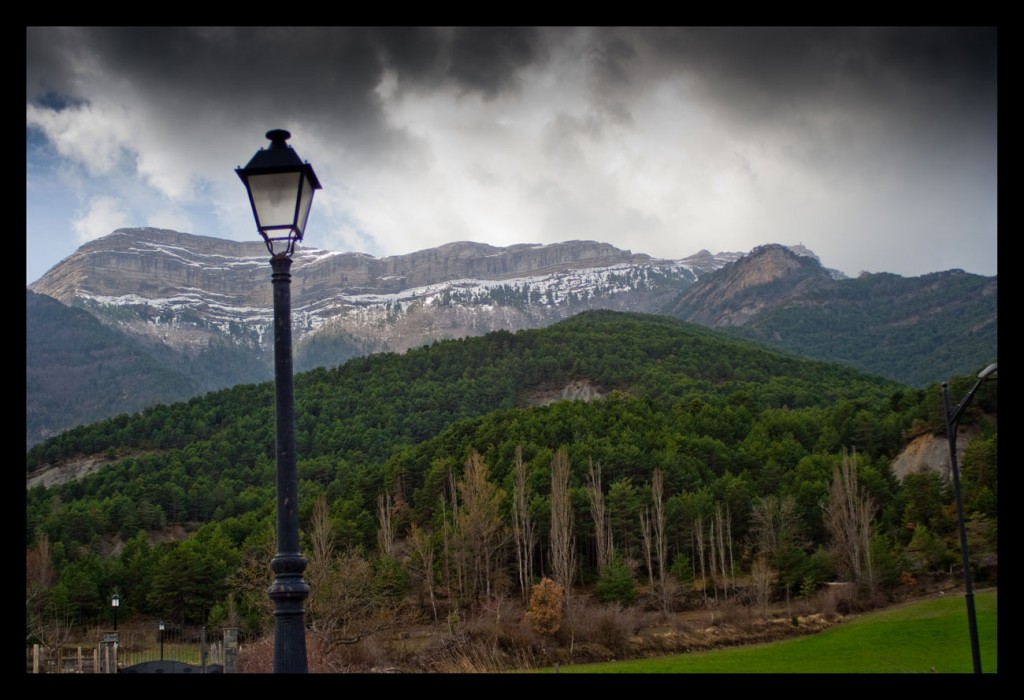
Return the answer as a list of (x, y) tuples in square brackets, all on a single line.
[(117, 651)]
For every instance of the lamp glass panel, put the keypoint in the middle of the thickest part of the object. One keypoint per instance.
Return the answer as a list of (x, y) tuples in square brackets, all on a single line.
[(274, 196), (305, 200)]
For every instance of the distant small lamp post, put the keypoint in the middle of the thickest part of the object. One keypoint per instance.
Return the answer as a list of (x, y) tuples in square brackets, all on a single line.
[(161, 640), (952, 421), (115, 603), (280, 187)]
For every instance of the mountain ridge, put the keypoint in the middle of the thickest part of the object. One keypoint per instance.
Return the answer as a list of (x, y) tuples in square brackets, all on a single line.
[(202, 306)]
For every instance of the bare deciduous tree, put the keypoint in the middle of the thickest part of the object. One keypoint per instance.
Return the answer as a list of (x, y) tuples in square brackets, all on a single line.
[(645, 532), (714, 551), (563, 554), (522, 525), (660, 542), (774, 524), (848, 514), (350, 605), (385, 524), (39, 578), (481, 530), (728, 542), (720, 562), (345, 602), (602, 527), (698, 537), (250, 581), (721, 536), (761, 576), (423, 549), (453, 561), (321, 561), (321, 538)]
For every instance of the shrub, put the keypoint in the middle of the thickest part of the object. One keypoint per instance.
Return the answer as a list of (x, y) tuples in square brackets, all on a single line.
[(837, 598), (545, 612), (616, 584), (682, 569), (609, 627)]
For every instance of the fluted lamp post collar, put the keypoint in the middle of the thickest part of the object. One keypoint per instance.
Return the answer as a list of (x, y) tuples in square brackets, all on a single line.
[(280, 187)]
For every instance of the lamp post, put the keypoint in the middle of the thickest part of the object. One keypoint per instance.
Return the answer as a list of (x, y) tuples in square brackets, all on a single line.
[(952, 421), (280, 187), (161, 640), (115, 603)]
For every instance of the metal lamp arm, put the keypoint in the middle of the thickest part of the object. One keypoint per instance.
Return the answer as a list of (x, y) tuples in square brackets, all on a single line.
[(955, 416)]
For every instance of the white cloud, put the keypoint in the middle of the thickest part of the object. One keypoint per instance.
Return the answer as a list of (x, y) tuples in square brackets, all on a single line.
[(88, 134), (171, 218), (103, 216)]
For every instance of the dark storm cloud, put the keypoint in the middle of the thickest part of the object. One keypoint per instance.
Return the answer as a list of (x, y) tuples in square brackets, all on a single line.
[(282, 71), (47, 64), (486, 60), (758, 69), (612, 62), (326, 75), (764, 72), (314, 66)]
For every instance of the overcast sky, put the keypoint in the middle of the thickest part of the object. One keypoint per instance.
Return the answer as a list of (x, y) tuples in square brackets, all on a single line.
[(875, 148)]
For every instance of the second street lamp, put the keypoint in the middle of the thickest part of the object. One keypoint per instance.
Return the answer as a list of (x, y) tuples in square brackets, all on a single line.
[(115, 602), (280, 187), (952, 421)]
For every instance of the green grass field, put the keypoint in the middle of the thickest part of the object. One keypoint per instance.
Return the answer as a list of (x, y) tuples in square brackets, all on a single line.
[(922, 637)]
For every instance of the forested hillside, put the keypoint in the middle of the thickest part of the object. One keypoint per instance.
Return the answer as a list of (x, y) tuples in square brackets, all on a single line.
[(894, 326), (69, 352), (435, 482)]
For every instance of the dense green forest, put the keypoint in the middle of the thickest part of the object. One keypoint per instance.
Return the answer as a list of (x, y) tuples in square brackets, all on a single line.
[(71, 352), (886, 324), (436, 480)]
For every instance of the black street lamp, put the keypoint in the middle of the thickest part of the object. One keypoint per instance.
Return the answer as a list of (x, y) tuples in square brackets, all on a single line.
[(161, 640), (280, 187), (115, 603), (952, 421)]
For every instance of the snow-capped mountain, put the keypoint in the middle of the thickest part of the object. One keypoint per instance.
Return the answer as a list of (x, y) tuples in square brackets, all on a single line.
[(187, 291)]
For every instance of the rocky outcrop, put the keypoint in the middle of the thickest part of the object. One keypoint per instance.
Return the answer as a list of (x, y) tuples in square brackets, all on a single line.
[(924, 453), (766, 278), (930, 453), (576, 390)]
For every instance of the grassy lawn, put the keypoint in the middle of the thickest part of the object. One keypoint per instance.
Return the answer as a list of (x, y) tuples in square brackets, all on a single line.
[(913, 638)]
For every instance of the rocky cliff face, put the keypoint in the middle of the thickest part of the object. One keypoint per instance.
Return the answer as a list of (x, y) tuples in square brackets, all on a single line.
[(769, 277), (188, 291), (152, 264), (930, 453)]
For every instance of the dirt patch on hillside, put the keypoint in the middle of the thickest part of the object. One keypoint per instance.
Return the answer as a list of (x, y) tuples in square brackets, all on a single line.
[(63, 473)]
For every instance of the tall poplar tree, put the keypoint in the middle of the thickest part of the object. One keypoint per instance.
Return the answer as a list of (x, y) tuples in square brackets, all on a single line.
[(849, 511), (522, 525), (563, 554)]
